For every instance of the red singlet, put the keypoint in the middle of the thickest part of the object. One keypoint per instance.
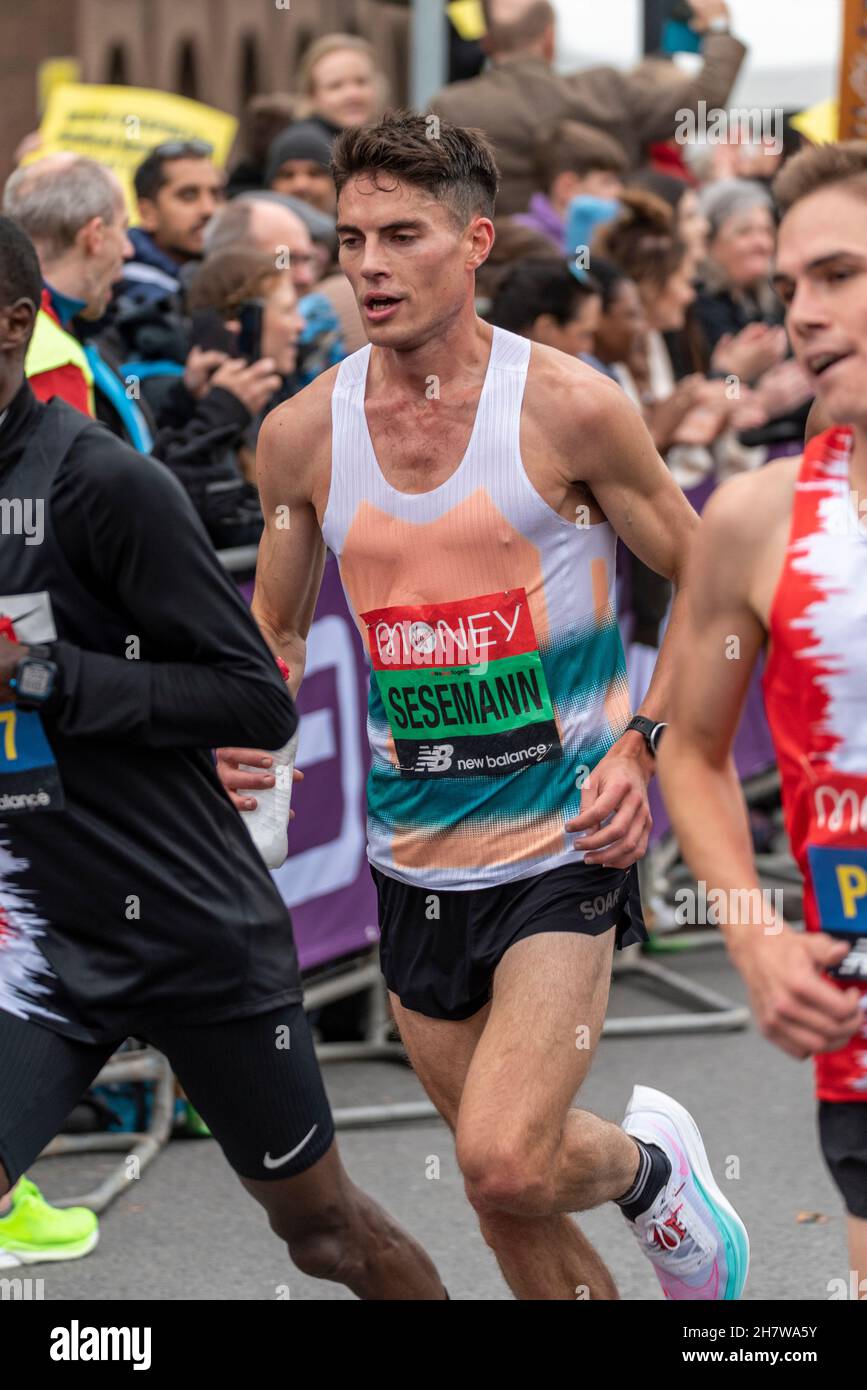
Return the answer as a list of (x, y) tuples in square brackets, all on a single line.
[(815, 688)]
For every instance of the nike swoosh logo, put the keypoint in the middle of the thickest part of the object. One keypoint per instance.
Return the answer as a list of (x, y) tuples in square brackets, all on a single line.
[(270, 1162)]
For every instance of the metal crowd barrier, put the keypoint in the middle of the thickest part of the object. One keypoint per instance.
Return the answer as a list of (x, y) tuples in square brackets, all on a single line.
[(144, 1065)]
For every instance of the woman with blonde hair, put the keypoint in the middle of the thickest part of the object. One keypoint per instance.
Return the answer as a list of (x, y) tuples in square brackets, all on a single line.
[(340, 83)]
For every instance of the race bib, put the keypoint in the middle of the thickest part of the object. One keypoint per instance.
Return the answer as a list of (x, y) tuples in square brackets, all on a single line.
[(463, 687), (29, 777), (840, 885)]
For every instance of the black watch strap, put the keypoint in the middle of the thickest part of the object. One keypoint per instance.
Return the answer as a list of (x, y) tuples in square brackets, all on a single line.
[(651, 730), (40, 655)]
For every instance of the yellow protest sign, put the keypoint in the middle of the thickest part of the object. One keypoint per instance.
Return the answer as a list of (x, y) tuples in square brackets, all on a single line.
[(118, 125), (54, 72), (819, 123), (468, 18)]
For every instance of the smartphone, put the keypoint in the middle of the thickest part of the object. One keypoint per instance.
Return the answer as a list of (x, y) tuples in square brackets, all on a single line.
[(208, 332), (250, 337)]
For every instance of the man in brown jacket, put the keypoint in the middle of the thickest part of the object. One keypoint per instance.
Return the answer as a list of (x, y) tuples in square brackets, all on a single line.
[(521, 94)]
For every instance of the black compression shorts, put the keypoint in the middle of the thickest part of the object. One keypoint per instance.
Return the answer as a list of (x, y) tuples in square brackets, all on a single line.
[(440, 947), (255, 1081), (843, 1136)]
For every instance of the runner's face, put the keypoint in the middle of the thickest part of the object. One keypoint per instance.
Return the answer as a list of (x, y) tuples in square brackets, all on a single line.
[(821, 276), (411, 267), (183, 207)]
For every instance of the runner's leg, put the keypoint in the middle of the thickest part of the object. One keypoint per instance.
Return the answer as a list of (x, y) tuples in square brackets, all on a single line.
[(544, 1257), (256, 1083), (857, 1231), (335, 1231)]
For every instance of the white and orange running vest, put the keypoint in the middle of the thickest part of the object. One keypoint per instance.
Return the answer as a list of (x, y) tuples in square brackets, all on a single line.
[(815, 687), (498, 677)]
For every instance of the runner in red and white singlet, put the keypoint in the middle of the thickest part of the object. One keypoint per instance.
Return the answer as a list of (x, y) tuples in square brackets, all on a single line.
[(815, 688), (781, 567)]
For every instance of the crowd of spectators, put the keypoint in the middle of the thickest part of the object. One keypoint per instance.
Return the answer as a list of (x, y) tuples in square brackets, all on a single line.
[(614, 242)]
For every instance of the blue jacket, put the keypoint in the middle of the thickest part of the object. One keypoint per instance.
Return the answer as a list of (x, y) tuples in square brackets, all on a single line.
[(151, 274)]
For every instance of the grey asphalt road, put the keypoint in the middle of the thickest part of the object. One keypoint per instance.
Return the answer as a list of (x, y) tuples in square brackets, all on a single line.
[(186, 1229)]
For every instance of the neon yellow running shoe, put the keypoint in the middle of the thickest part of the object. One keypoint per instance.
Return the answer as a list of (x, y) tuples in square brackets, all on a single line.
[(32, 1231)]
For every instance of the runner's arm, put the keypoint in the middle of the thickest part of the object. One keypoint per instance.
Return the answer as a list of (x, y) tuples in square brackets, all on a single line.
[(290, 565), (619, 462), (292, 551), (192, 671), (717, 649)]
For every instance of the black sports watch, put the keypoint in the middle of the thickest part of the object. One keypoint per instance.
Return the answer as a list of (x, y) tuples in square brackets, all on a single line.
[(36, 680), (651, 730)]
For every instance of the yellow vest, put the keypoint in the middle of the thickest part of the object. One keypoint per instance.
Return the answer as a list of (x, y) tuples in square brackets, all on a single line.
[(52, 347)]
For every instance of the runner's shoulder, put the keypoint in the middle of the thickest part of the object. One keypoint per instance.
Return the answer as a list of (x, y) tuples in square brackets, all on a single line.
[(298, 431), (565, 393), (745, 510)]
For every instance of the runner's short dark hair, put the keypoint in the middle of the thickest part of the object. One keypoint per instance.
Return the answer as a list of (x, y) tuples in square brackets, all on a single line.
[(453, 163), (822, 166), (20, 276)]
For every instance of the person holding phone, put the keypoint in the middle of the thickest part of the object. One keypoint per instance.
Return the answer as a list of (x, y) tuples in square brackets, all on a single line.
[(257, 305)]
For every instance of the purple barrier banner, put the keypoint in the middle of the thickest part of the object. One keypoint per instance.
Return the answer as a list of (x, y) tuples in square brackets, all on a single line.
[(326, 881)]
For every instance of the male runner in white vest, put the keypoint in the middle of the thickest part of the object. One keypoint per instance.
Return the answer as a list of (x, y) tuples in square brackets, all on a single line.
[(472, 488), (781, 564)]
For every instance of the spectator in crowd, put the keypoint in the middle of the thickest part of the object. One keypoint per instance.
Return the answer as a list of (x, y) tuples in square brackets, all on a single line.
[(264, 221), (299, 163), (622, 325), (546, 302), (741, 317), (263, 117), (238, 274), (690, 419), (735, 284), (340, 82), (226, 281), (513, 244), (178, 188), (74, 212), (522, 93), (690, 222), (572, 160)]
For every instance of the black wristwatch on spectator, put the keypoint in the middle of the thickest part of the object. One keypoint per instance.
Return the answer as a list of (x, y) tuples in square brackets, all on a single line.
[(651, 731)]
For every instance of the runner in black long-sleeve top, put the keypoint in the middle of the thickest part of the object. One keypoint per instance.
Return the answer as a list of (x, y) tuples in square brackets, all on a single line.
[(132, 900)]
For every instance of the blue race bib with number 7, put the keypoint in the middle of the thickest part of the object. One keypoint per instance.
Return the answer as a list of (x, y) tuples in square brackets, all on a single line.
[(29, 778)]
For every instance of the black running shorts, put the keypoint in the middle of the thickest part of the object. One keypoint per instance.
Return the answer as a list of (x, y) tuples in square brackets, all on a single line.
[(843, 1136), (440, 947), (255, 1081)]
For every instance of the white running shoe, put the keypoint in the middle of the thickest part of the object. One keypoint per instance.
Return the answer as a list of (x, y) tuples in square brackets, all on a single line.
[(691, 1234)]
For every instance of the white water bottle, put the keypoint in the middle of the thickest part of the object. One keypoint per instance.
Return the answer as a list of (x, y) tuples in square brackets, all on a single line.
[(268, 824)]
